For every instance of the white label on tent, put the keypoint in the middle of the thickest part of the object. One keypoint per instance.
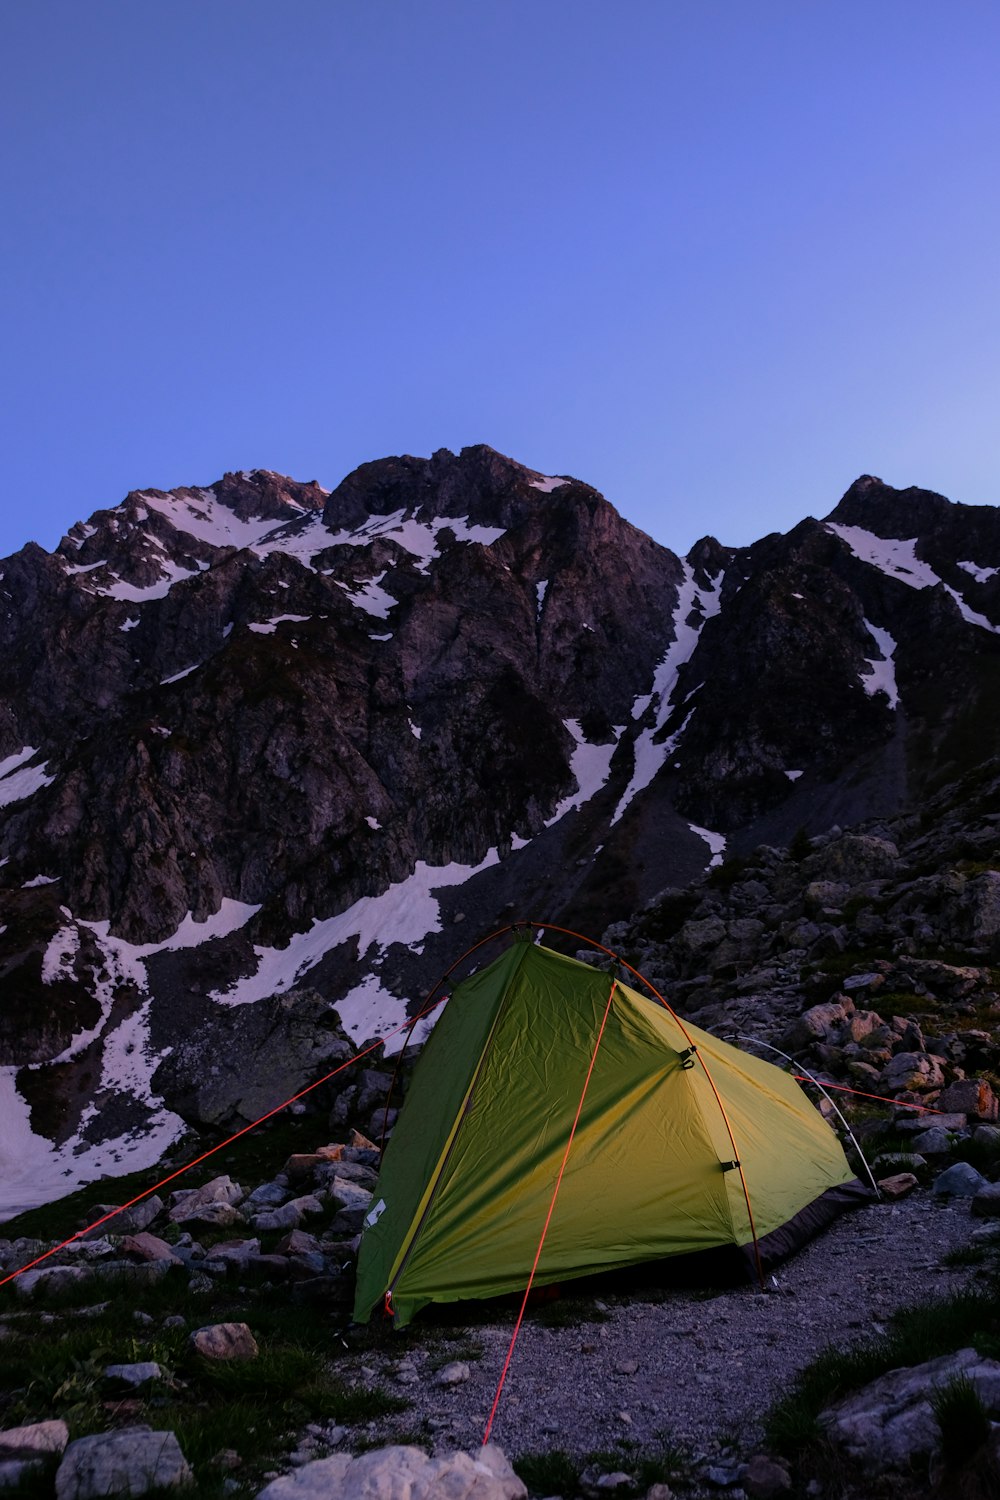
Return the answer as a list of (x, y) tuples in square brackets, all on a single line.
[(375, 1214)]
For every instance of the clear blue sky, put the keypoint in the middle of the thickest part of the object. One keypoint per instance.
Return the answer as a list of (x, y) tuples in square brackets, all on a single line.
[(716, 258)]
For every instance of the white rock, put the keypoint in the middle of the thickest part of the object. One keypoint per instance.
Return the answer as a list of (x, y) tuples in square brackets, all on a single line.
[(452, 1374), (402, 1474), (134, 1375)]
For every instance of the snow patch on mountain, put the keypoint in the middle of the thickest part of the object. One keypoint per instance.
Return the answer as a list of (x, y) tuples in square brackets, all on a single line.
[(370, 596), (650, 752), (19, 780), (590, 766), (371, 1010), (419, 538), (882, 675), (897, 558), (715, 841), (981, 575), (547, 483), (34, 1171), (200, 514), (268, 627), (407, 912)]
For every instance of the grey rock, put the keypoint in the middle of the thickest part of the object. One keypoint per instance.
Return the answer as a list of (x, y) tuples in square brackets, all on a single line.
[(348, 1194), (51, 1278), (128, 1462), (127, 1220), (986, 1203), (453, 1373), (912, 1071), (891, 1423), (959, 1181), (288, 1216), (934, 1142), (268, 1195)]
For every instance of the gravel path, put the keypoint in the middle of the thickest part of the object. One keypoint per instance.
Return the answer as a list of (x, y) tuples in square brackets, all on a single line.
[(699, 1369)]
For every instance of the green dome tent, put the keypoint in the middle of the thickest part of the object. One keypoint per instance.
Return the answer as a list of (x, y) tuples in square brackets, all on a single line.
[(683, 1143)]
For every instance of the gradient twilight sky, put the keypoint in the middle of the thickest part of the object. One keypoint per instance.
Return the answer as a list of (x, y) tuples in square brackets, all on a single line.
[(715, 258)]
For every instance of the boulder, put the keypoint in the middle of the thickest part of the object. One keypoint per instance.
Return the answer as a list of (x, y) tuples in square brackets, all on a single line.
[(891, 1422), (35, 1438), (220, 1190), (224, 1341), (289, 1215), (347, 1194), (128, 1462), (986, 1202), (981, 908), (821, 1023), (853, 859), (126, 1220), (765, 1478), (50, 1278), (399, 1473), (149, 1247), (933, 1142), (970, 1096), (244, 1060), (898, 1185), (959, 1181), (912, 1071)]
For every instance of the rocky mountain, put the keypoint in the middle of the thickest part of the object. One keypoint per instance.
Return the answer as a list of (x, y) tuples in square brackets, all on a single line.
[(268, 746)]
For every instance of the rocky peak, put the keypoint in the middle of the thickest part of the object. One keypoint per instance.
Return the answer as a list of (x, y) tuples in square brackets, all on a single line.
[(709, 558), (478, 486), (889, 512)]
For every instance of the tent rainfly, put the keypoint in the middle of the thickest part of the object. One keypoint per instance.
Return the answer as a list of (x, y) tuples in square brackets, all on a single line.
[(683, 1143)]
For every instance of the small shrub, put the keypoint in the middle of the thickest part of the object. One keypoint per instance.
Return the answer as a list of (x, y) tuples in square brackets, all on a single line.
[(800, 845), (553, 1473), (963, 1419)]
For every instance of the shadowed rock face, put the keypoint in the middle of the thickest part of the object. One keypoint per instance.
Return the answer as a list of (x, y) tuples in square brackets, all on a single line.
[(230, 715)]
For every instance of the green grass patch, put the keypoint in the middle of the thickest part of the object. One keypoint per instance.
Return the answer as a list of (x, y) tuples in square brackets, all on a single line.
[(559, 1473), (568, 1312), (552, 1473)]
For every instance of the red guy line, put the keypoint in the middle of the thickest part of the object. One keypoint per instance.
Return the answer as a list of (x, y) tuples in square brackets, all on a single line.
[(548, 1218), (924, 1109), (409, 1022)]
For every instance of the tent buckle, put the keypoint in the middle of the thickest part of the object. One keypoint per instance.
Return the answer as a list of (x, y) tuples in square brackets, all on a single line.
[(687, 1057), (729, 1166)]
